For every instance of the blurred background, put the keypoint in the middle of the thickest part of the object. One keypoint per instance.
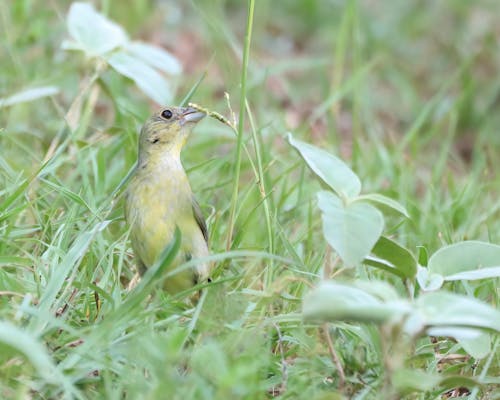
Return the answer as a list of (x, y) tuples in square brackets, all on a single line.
[(407, 93)]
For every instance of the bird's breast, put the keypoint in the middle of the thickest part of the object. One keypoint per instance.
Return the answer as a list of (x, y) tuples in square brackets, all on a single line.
[(154, 207)]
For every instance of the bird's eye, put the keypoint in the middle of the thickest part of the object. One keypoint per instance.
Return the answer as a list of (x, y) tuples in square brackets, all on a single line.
[(167, 114)]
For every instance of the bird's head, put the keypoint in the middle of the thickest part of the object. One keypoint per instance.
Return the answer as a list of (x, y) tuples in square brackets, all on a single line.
[(167, 130)]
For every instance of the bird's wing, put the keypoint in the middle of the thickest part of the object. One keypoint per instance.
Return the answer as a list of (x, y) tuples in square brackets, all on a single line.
[(199, 219)]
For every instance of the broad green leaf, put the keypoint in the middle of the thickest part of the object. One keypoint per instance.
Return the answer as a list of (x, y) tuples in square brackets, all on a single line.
[(386, 201), (479, 347), (351, 229), (332, 301), (444, 309), (466, 260), (148, 80), (393, 257), (92, 32), (156, 57), (333, 171), (29, 95), (427, 280)]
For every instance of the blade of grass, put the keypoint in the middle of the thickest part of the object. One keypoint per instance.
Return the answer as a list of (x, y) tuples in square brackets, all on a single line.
[(264, 196), (241, 120)]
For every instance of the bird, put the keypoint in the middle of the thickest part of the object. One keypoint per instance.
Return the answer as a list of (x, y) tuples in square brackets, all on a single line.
[(159, 199)]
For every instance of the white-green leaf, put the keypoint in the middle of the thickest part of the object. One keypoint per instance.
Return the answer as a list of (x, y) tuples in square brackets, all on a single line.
[(427, 280), (29, 95), (444, 309), (333, 171), (466, 260), (156, 57), (332, 301), (92, 32), (478, 347), (386, 201), (351, 229), (481, 273), (146, 78)]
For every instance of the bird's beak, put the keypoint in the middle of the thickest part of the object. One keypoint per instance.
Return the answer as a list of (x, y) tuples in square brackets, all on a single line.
[(190, 114)]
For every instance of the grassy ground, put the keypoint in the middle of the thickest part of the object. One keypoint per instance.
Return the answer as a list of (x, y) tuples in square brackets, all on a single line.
[(405, 92)]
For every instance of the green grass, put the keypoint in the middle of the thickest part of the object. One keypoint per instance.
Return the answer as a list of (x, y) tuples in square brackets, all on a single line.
[(406, 94)]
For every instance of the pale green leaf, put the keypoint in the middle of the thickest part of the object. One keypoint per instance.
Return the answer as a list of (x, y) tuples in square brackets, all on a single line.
[(445, 309), (156, 57), (351, 229), (478, 347), (481, 273), (466, 260), (333, 171), (427, 280), (27, 95), (92, 32), (386, 201), (332, 301), (146, 78)]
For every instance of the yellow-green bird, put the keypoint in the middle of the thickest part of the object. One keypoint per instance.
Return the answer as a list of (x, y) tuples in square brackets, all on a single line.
[(159, 198)]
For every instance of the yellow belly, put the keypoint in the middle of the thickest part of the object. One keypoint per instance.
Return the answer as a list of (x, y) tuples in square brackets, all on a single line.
[(153, 209)]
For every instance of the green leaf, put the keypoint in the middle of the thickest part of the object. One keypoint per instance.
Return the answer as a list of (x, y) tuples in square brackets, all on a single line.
[(454, 381), (410, 380), (149, 81), (393, 257), (337, 302), (466, 260), (29, 95), (351, 229), (49, 298), (423, 256), (68, 193), (333, 171), (15, 260), (450, 310), (386, 201), (156, 57), (92, 32)]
